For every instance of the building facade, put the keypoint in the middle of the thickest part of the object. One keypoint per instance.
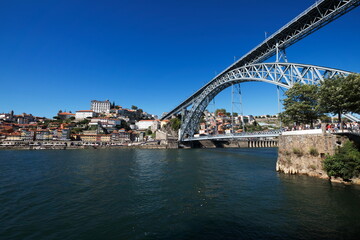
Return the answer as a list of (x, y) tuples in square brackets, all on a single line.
[(145, 124), (100, 106), (83, 114)]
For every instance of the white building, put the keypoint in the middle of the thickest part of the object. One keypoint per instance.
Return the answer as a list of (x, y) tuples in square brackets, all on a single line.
[(105, 122), (100, 106), (145, 124), (83, 114)]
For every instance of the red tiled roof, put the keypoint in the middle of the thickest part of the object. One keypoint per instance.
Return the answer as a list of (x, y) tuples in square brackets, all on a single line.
[(65, 113)]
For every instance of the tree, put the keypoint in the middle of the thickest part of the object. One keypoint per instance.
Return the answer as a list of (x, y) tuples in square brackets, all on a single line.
[(148, 132), (345, 163), (301, 104), (352, 88), (133, 107), (340, 95), (175, 124), (83, 122), (221, 110), (253, 127)]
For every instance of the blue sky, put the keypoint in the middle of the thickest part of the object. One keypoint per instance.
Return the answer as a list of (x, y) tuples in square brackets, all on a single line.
[(154, 54)]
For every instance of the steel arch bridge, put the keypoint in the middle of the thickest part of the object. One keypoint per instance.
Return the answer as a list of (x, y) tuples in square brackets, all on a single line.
[(280, 74), (321, 13)]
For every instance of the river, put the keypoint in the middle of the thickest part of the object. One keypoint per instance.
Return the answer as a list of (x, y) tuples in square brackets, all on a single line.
[(168, 194)]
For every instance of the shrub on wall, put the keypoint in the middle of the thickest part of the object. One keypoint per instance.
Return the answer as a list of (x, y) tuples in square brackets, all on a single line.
[(297, 152), (313, 152)]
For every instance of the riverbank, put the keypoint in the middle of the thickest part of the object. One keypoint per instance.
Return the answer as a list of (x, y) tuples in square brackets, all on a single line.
[(69, 147)]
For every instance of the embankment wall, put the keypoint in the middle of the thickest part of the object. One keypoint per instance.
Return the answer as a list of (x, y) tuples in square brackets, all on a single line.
[(305, 154)]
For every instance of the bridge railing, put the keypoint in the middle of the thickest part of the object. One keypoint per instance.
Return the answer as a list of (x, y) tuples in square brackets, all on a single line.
[(271, 133), (355, 131)]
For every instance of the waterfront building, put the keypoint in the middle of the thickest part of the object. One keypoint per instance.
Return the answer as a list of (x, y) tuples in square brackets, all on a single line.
[(43, 134), (121, 136), (83, 114), (94, 137), (100, 106), (27, 135), (65, 134), (14, 136), (87, 137)]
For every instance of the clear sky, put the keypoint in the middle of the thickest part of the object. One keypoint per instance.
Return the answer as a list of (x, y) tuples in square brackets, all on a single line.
[(153, 54)]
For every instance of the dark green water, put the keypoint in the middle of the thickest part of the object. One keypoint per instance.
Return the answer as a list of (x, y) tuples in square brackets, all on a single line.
[(168, 194)]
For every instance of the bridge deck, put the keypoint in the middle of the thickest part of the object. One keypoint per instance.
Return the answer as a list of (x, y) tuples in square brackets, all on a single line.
[(270, 134)]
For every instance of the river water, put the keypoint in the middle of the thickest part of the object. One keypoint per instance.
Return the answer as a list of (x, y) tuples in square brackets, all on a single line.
[(168, 194)]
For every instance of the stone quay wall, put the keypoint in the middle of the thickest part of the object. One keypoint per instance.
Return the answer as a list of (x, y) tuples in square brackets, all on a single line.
[(304, 154)]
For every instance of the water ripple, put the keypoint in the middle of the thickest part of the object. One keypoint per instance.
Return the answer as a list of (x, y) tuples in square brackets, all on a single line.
[(168, 194)]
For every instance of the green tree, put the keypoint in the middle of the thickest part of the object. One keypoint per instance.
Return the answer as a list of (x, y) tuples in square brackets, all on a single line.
[(133, 107), (83, 122), (123, 124), (175, 124), (351, 86), (340, 95), (301, 105), (76, 130), (345, 163), (148, 132), (221, 110), (253, 127)]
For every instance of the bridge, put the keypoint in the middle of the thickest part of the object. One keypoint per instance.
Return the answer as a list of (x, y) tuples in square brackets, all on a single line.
[(234, 136), (250, 66)]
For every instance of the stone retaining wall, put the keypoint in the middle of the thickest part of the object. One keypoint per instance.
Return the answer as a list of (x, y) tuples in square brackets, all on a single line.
[(304, 154)]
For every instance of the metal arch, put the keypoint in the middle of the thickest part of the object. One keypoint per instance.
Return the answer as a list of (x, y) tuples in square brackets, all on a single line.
[(312, 19), (281, 74)]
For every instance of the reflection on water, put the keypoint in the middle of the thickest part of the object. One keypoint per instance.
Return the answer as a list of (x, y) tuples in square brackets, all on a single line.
[(168, 194)]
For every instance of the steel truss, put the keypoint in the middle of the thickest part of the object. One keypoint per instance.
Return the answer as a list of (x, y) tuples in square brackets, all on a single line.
[(315, 17), (281, 74)]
